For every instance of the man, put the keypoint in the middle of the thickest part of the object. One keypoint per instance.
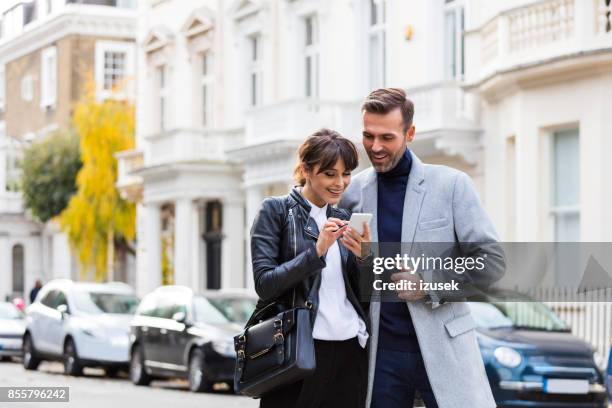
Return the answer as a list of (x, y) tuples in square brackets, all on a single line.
[(35, 290), (422, 344)]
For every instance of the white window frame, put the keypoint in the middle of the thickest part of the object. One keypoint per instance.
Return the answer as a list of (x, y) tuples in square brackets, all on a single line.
[(311, 56), (377, 32), (555, 211), (255, 71), (206, 88), (48, 78), (104, 47), (27, 88), (161, 81), (454, 41)]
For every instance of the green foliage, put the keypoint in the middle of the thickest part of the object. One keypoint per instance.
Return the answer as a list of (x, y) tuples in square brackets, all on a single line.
[(49, 168)]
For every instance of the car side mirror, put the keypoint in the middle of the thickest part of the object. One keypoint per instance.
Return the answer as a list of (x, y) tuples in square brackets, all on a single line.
[(180, 317), (63, 309)]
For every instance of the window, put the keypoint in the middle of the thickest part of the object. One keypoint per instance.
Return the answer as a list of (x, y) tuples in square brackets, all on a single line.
[(311, 57), (565, 189), (255, 74), (163, 97), (49, 298), (454, 42), (206, 84), (48, 83), (377, 44), (114, 69), (18, 266), (114, 66), (27, 88)]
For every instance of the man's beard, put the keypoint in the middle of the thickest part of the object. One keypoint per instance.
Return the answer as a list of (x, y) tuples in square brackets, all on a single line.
[(391, 165)]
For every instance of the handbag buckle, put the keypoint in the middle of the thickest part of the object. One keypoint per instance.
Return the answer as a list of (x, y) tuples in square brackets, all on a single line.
[(279, 338), (308, 304), (241, 354), (242, 338), (278, 323)]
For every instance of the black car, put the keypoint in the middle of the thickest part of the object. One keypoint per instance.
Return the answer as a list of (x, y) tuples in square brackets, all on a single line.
[(179, 334), (531, 357)]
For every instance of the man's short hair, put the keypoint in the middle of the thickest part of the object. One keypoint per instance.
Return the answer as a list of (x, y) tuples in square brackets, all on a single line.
[(385, 100)]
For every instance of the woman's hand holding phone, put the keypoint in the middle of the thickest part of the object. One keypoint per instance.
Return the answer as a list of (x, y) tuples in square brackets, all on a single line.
[(353, 241), (332, 230)]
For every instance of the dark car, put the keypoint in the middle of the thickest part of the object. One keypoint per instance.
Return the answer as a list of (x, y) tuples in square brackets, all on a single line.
[(236, 305), (531, 357), (179, 334)]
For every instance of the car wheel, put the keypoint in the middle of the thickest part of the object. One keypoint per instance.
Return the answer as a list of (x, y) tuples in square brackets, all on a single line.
[(138, 375), (30, 359), (72, 363), (197, 376)]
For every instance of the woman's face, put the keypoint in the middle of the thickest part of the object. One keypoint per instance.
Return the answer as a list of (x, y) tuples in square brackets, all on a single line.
[(328, 185)]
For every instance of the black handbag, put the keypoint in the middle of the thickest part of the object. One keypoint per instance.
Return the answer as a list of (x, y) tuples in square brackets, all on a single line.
[(275, 349)]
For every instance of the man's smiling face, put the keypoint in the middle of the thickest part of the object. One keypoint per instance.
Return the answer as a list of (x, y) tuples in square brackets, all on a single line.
[(384, 138)]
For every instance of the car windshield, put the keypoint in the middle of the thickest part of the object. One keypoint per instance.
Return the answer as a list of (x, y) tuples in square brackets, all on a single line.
[(101, 302), (236, 309), (8, 311), (518, 315), (204, 312)]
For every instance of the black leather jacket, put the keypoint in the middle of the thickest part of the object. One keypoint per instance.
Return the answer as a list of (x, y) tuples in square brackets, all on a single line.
[(284, 256)]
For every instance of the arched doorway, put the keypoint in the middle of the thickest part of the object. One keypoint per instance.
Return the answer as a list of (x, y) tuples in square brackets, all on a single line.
[(18, 268)]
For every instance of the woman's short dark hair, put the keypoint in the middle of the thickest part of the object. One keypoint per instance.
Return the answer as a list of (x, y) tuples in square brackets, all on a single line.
[(384, 100), (324, 148)]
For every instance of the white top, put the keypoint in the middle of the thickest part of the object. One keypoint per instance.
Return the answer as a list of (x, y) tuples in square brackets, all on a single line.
[(336, 316)]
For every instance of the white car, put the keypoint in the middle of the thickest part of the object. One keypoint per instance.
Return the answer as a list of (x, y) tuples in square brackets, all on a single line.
[(80, 324), (12, 326)]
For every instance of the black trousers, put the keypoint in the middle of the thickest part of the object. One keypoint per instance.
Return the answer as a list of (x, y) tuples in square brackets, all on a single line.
[(339, 381)]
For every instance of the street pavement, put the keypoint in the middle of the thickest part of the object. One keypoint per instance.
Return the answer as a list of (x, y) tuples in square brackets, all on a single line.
[(93, 390)]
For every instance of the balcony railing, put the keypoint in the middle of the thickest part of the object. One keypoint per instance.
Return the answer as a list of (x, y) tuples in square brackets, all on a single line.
[(11, 202), (129, 185), (542, 30), (187, 145), (296, 119)]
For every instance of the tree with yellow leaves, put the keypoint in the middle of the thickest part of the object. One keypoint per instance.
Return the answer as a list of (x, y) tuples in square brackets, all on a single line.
[(97, 217)]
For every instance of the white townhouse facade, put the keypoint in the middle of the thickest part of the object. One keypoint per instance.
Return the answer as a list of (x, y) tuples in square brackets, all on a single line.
[(517, 94), (48, 51)]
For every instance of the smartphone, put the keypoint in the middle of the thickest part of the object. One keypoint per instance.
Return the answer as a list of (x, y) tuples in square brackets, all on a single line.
[(357, 220)]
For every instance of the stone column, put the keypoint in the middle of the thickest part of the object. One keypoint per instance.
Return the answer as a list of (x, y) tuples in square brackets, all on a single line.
[(254, 197), (183, 241), (232, 250), (149, 277)]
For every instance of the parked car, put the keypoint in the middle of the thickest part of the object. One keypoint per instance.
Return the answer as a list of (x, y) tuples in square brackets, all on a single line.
[(80, 324), (236, 305), (12, 327), (179, 334), (531, 357)]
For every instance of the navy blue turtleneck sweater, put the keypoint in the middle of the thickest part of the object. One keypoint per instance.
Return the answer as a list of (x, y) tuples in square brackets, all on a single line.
[(396, 330)]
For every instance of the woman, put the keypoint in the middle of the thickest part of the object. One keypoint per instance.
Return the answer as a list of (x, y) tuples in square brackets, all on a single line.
[(300, 241)]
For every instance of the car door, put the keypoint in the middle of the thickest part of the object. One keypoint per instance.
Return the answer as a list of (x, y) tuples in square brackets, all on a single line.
[(169, 334), (177, 337), (55, 329), (41, 315)]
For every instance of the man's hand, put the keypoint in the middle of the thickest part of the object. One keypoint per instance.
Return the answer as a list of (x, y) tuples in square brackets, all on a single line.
[(405, 294)]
